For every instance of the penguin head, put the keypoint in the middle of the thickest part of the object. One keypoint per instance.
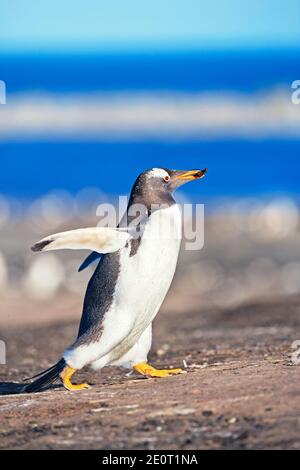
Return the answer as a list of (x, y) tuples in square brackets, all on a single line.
[(165, 180), (158, 184)]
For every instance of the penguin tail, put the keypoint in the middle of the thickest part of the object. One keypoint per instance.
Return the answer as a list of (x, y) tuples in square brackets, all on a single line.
[(45, 378)]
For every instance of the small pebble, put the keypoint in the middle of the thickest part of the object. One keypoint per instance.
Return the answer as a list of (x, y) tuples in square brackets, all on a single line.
[(232, 420)]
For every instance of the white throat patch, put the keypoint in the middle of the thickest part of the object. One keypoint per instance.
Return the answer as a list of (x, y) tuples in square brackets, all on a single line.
[(157, 173)]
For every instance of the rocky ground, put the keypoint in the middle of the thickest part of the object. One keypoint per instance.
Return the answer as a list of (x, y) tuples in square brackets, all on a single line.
[(240, 390)]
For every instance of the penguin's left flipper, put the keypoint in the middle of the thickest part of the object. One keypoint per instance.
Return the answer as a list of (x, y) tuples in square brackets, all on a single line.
[(149, 371), (100, 239), (92, 258)]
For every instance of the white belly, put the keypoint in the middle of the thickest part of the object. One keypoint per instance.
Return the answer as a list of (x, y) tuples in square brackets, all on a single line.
[(143, 283), (147, 276)]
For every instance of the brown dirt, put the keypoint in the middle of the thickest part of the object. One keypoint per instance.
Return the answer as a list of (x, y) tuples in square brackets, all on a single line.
[(240, 390)]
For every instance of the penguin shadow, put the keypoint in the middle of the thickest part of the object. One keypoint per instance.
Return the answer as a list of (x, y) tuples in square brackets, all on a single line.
[(14, 388)]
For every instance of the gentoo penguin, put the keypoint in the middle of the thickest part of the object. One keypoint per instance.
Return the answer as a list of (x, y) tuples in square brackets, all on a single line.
[(129, 284)]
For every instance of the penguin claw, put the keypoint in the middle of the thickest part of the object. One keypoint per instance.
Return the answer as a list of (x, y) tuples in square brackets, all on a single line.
[(149, 371), (162, 373), (65, 377), (71, 387)]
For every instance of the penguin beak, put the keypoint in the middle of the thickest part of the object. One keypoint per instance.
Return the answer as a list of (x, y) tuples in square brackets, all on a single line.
[(180, 177), (191, 175)]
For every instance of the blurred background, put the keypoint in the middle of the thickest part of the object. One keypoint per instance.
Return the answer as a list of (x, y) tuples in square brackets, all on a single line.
[(98, 91)]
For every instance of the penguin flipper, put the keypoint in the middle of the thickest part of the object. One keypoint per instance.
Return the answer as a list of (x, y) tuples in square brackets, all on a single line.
[(100, 239), (89, 260)]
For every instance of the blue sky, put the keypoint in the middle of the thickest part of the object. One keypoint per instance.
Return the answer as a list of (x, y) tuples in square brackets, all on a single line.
[(141, 24)]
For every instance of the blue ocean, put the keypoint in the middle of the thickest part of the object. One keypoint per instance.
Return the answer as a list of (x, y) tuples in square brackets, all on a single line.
[(237, 166), (183, 71)]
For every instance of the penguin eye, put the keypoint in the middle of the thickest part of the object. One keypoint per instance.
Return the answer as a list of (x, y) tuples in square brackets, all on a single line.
[(167, 178)]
